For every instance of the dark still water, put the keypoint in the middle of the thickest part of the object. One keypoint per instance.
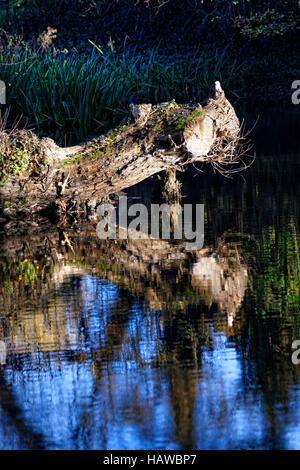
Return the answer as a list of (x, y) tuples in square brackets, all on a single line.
[(143, 345)]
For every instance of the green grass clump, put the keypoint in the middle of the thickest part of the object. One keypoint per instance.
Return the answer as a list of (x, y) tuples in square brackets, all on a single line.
[(16, 164), (18, 153)]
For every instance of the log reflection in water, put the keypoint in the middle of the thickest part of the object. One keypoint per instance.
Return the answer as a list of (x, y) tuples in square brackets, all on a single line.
[(66, 308), (161, 273)]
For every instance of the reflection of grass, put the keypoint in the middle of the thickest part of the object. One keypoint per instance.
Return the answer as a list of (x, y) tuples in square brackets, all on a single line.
[(17, 274), (275, 284), (28, 272), (101, 266), (188, 291)]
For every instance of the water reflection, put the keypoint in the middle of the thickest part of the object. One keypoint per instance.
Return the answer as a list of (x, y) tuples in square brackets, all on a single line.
[(144, 345)]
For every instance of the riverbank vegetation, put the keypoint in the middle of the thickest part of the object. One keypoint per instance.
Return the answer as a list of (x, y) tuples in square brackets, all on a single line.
[(71, 69)]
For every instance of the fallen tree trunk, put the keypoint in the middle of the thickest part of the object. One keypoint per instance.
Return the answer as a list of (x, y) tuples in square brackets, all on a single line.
[(158, 137)]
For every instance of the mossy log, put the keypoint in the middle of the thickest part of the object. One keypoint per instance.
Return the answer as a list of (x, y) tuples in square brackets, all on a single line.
[(156, 138)]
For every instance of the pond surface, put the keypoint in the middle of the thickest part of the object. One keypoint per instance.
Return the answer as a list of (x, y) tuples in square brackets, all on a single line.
[(142, 345)]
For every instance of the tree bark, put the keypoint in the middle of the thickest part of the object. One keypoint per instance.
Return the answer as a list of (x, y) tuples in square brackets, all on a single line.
[(158, 137)]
